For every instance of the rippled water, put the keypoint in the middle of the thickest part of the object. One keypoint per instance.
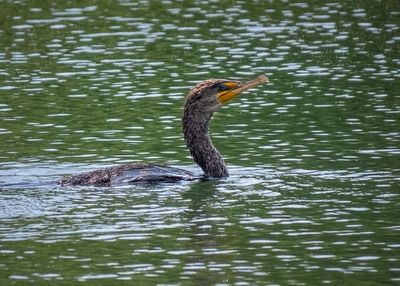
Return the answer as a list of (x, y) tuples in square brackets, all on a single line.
[(313, 196)]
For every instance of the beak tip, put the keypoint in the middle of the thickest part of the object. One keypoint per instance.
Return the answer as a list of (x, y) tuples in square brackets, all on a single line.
[(263, 78)]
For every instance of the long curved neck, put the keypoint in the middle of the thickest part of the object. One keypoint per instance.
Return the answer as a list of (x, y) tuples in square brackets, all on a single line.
[(195, 130)]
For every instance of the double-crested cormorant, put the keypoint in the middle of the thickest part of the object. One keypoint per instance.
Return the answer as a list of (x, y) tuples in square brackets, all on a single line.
[(202, 101)]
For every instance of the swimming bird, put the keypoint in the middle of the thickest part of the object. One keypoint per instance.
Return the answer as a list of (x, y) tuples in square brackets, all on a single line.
[(202, 101)]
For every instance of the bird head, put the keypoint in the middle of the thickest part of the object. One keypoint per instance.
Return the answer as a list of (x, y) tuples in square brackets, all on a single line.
[(209, 95)]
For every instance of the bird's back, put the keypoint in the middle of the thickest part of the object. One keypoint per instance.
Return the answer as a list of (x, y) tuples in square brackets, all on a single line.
[(129, 173)]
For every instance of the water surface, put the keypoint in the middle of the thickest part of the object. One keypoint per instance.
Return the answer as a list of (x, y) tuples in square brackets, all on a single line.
[(313, 196)]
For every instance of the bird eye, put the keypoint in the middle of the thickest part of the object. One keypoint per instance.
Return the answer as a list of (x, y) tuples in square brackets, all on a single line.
[(223, 87)]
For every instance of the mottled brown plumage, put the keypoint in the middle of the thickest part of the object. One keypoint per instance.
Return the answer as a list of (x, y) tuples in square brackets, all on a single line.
[(200, 105), (127, 174), (202, 101)]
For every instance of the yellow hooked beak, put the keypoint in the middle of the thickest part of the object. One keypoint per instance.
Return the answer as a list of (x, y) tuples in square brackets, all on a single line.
[(234, 88)]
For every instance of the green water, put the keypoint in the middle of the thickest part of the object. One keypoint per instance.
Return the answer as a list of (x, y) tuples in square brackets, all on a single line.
[(313, 197)]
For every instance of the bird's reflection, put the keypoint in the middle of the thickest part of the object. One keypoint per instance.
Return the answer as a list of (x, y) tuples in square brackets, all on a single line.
[(204, 231)]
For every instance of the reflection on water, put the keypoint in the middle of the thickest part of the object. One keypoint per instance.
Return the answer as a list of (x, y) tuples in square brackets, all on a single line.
[(313, 195), (259, 225)]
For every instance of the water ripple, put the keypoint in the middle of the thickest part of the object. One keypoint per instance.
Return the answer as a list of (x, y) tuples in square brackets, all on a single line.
[(313, 155)]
